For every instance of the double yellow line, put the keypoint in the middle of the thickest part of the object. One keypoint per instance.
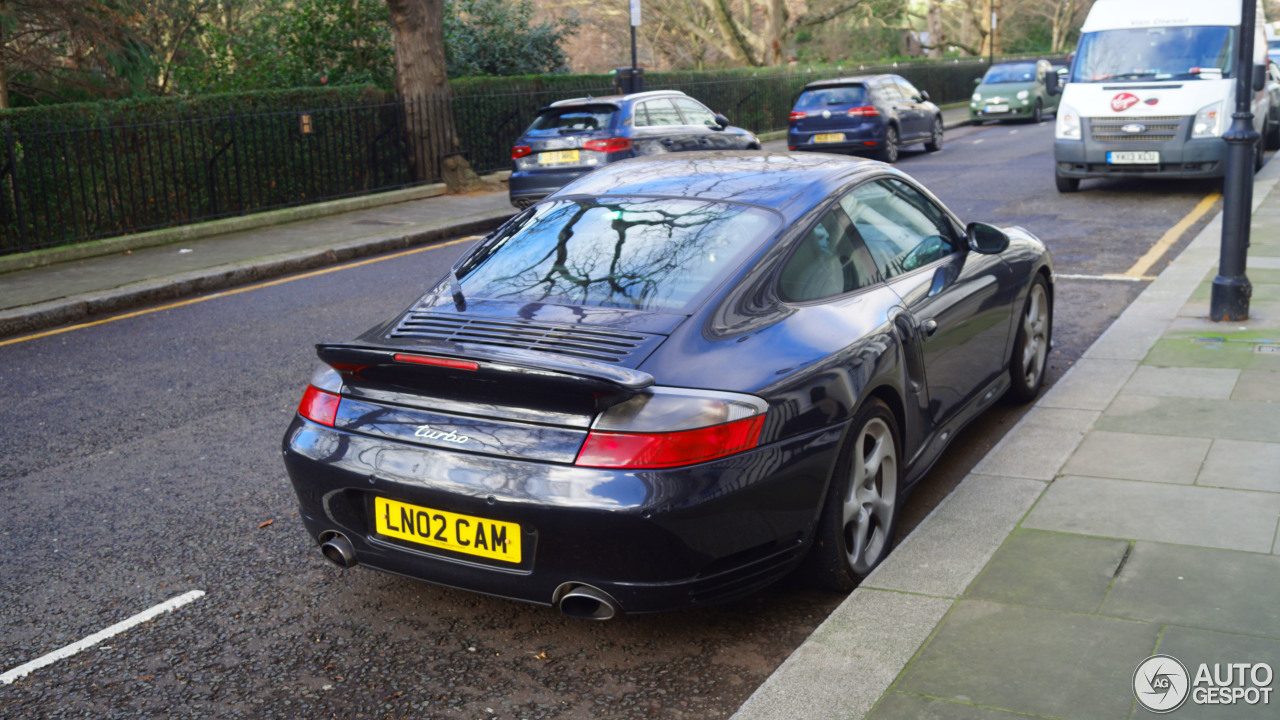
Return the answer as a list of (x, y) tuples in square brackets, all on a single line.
[(236, 291), (1166, 241)]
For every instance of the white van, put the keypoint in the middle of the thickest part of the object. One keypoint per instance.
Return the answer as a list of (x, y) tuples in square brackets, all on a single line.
[(1151, 91)]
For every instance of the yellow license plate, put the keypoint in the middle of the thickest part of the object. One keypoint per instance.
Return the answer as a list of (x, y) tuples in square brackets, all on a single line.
[(492, 539), (558, 157), (828, 137)]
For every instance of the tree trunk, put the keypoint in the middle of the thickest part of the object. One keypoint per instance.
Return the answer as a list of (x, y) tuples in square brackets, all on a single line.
[(423, 85), (937, 33), (4, 70), (775, 27)]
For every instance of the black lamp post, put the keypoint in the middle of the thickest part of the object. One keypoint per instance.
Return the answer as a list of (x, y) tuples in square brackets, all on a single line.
[(1229, 300)]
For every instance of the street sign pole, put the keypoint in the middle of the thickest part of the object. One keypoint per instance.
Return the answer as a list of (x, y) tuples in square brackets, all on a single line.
[(1229, 299), (635, 23)]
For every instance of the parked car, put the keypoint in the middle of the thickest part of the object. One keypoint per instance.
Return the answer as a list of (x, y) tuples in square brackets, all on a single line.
[(869, 114), (669, 384), (1016, 91), (571, 138)]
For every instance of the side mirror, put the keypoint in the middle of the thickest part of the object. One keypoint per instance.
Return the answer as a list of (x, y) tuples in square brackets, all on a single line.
[(722, 121), (977, 81), (924, 95), (986, 239), (1051, 84), (1259, 77)]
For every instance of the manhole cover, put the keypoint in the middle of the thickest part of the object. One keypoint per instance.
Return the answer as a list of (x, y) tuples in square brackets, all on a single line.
[(1267, 349)]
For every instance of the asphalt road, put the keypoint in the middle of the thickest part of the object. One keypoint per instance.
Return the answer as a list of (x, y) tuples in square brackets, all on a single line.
[(140, 461)]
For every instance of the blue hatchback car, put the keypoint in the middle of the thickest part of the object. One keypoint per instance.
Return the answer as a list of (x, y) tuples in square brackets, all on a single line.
[(867, 115), (571, 138)]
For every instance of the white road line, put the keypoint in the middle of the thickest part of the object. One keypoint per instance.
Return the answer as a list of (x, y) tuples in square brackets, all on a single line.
[(975, 142), (94, 639), (1121, 278)]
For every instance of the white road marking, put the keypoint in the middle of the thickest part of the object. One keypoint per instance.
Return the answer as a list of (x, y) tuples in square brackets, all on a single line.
[(975, 142), (1121, 278), (66, 652)]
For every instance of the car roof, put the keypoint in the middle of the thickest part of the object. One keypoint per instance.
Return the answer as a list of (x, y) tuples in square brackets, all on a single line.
[(615, 99), (847, 80), (790, 183)]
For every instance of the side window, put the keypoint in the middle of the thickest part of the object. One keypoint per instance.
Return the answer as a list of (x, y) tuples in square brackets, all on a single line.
[(640, 115), (901, 228), (889, 89), (830, 260), (908, 90), (661, 112), (694, 113)]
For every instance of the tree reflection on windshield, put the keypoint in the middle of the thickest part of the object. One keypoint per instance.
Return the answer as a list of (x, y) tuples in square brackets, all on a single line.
[(635, 253)]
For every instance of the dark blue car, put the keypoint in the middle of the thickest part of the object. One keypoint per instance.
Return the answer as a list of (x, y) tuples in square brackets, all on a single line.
[(571, 138), (873, 115), (671, 383)]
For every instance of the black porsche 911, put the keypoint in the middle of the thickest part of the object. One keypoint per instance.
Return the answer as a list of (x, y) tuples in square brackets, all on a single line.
[(671, 383)]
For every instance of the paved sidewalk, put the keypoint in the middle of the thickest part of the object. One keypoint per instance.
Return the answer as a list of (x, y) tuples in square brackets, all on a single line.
[(1132, 512), (44, 297)]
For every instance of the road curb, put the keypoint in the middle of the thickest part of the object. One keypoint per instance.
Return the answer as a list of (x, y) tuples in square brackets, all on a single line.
[(78, 308)]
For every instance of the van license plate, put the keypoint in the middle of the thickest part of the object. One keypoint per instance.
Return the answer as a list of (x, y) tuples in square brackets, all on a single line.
[(1147, 157), (828, 137), (492, 539)]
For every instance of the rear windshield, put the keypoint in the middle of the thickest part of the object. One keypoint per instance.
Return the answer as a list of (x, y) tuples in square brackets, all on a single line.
[(634, 253), (577, 118), (1160, 53), (837, 95), (1001, 74)]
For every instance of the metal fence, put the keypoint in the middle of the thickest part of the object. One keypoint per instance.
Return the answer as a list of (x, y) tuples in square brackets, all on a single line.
[(63, 185)]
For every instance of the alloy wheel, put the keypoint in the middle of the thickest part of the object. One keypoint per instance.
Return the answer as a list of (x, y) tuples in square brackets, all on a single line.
[(870, 497)]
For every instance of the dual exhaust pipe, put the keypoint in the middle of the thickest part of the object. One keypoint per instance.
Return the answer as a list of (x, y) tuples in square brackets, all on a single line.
[(575, 600)]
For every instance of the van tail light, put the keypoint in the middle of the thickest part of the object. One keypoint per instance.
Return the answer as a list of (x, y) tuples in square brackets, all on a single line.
[(320, 399), (520, 151), (667, 428), (609, 145), (864, 111), (797, 115)]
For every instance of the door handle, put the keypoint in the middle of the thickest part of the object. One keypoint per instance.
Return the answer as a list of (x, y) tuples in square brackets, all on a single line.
[(929, 327), (667, 141)]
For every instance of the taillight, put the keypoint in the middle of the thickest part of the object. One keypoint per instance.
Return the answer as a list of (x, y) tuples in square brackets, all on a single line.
[(864, 111), (609, 145), (520, 151), (319, 406), (797, 115), (321, 398), (668, 428)]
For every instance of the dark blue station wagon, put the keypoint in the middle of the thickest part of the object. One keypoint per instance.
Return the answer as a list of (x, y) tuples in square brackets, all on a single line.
[(571, 138)]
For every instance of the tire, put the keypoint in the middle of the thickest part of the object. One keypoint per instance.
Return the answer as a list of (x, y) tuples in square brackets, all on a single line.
[(1066, 184), (1259, 149), (888, 151), (934, 143), (1037, 115), (1273, 135), (1031, 345), (855, 530)]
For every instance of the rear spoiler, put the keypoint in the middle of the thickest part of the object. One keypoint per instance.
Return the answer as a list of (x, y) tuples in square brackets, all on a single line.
[(495, 360)]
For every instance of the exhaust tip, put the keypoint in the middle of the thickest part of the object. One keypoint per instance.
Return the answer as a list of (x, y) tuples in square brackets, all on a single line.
[(583, 602), (337, 549)]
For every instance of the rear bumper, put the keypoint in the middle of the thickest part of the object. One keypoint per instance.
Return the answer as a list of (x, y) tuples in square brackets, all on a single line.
[(526, 187), (857, 140), (654, 540)]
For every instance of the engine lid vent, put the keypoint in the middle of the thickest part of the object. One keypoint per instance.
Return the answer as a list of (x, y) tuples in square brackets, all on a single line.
[(593, 343)]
